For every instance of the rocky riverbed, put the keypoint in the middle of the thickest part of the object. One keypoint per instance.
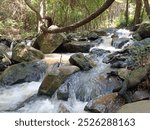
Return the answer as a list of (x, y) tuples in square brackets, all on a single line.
[(80, 72)]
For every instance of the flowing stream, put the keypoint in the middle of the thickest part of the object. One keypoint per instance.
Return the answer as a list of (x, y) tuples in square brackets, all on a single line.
[(23, 98)]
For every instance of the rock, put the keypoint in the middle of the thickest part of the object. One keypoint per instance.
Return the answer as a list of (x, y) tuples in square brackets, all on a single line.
[(144, 30), (55, 78), (140, 95), (48, 43), (101, 32), (78, 46), (105, 104), (22, 53), (98, 52), (92, 36), (23, 72), (81, 61), (119, 43), (63, 109), (136, 107), (93, 87), (6, 42), (4, 60)]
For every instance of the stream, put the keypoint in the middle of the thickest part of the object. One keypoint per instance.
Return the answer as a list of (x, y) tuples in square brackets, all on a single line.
[(23, 97)]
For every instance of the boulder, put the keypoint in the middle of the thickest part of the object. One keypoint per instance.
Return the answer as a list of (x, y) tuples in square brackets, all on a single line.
[(81, 61), (23, 72), (21, 53), (119, 43), (55, 78), (136, 107), (105, 104), (92, 36), (48, 43), (98, 52), (79, 46), (143, 31)]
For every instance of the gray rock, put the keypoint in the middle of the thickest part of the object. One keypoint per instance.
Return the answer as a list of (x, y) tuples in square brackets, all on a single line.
[(79, 46), (55, 78), (23, 72), (21, 53), (48, 43), (120, 42), (81, 61), (92, 36)]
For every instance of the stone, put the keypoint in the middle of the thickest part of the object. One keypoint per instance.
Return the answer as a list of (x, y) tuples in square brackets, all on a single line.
[(140, 95), (92, 36), (136, 107), (81, 61), (23, 72), (48, 43), (78, 46), (22, 53), (98, 52), (55, 78), (144, 30), (119, 43), (105, 104)]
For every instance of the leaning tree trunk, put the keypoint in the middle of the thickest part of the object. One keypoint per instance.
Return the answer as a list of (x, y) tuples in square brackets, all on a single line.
[(147, 7), (137, 15)]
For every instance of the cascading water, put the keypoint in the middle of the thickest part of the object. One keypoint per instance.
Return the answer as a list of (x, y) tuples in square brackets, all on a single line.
[(81, 86)]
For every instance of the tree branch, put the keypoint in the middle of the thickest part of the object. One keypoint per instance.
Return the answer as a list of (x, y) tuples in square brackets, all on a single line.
[(71, 27)]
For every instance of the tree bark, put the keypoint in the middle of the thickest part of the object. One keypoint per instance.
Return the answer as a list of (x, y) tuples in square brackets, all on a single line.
[(127, 12), (147, 7), (137, 15), (73, 26), (41, 11)]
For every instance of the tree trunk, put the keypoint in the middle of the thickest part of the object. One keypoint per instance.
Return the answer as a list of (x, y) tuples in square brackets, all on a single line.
[(42, 9), (137, 15), (127, 12), (147, 7), (105, 6)]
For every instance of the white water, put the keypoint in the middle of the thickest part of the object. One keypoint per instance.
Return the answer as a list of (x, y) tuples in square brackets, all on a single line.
[(14, 98)]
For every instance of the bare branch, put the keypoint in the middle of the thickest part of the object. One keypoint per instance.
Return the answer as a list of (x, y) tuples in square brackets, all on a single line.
[(71, 27)]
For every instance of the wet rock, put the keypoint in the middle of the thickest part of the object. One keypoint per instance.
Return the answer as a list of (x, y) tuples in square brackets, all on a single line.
[(92, 36), (55, 78), (105, 104), (23, 72), (81, 61), (48, 43), (144, 30), (119, 43), (4, 60), (136, 107), (22, 53), (63, 109), (100, 85), (101, 32), (140, 95), (98, 52), (6, 42), (79, 46)]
